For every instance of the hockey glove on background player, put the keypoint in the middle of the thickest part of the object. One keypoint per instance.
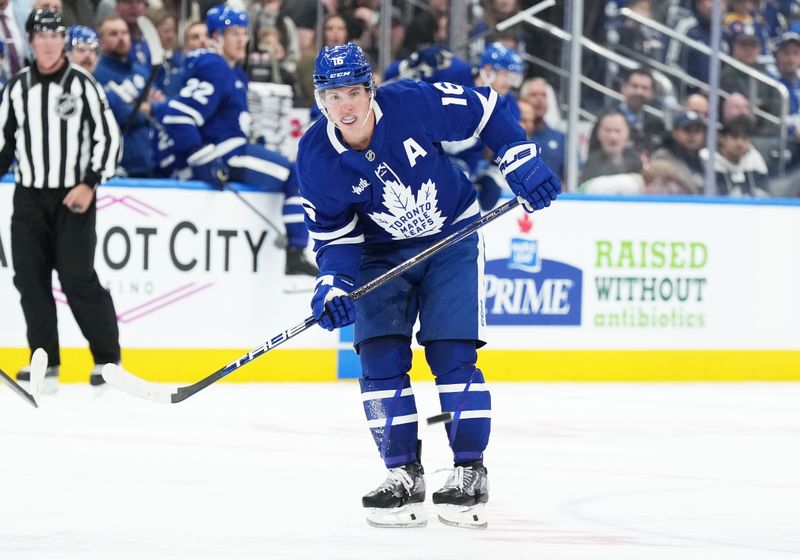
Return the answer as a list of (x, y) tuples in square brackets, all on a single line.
[(331, 306), (208, 167), (528, 176)]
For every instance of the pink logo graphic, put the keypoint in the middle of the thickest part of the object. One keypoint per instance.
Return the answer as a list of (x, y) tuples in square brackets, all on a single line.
[(150, 306), (129, 202)]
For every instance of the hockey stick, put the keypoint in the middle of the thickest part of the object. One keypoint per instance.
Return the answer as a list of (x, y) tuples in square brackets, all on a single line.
[(280, 241), (138, 387), (150, 36), (38, 367)]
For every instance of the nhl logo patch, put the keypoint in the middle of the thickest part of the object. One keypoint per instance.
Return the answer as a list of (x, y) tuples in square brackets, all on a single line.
[(66, 106), (370, 155)]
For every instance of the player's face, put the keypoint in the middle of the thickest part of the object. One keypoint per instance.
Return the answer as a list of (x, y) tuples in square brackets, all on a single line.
[(48, 48), (347, 107), (234, 43), (115, 39), (196, 37), (84, 56), (503, 80)]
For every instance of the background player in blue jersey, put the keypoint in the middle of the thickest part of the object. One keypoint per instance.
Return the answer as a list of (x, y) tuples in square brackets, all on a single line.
[(207, 126), (377, 189)]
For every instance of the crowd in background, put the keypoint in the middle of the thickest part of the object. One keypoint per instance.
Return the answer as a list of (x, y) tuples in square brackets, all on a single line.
[(648, 138)]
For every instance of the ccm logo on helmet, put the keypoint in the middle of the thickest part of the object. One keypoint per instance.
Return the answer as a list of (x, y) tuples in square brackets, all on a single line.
[(339, 74)]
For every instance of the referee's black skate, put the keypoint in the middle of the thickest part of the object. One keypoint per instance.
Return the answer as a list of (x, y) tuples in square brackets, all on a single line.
[(300, 274), (398, 501), (461, 501), (50, 382)]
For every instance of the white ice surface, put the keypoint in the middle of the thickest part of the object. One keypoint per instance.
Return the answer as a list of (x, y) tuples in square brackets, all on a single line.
[(262, 471)]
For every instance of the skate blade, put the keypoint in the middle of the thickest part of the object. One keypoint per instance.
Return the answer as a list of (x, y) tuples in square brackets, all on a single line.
[(409, 515), (465, 517), (298, 283)]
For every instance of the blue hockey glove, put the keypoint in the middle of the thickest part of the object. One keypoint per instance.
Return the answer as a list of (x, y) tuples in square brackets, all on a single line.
[(528, 176), (209, 168), (331, 306)]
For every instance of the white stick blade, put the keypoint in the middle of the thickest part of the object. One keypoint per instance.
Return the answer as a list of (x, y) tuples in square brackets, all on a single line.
[(38, 368), (136, 386), (150, 36)]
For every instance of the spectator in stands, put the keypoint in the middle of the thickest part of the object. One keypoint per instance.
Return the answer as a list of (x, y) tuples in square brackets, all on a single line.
[(611, 151), (637, 38), (334, 32), (682, 149), (740, 169), (271, 25), (428, 27), (13, 38), (734, 106), (638, 90), (123, 80), (698, 103), (696, 27), (3, 77), (195, 37), (745, 47), (552, 142), (304, 15), (787, 58), (130, 11), (168, 79), (82, 47), (659, 178)]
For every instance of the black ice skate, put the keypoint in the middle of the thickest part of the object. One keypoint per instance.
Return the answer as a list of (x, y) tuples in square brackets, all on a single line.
[(300, 274), (461, 501), (49, 383), (96, 378), (398, 501)]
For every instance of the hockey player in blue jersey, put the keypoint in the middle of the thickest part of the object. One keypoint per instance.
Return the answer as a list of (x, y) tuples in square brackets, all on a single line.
[(377, 189), (207, 126)]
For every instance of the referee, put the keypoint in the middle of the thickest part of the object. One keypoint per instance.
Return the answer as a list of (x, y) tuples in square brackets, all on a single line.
[(57, 125)]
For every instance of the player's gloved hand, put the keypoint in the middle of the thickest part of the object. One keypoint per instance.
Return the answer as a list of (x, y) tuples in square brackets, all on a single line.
[(208, 167), (331, 306), (535, 185)]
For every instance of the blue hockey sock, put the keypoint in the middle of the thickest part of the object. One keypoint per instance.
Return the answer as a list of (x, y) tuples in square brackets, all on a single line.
[(388, 398), (463, 393)]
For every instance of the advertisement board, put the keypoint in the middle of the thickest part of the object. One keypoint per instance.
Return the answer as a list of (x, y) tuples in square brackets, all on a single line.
[(590, 289)]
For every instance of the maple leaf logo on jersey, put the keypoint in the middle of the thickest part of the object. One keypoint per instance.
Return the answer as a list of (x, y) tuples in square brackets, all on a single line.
[(410, 216)]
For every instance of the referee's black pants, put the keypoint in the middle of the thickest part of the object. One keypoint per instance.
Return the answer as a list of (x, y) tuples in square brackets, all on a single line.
[(45, 235)]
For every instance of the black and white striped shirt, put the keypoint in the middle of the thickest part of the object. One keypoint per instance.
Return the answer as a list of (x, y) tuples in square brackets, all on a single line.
[(59, 127)]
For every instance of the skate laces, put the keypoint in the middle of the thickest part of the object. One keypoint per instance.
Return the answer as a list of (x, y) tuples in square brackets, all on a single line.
[(459, 478), (398, 477)]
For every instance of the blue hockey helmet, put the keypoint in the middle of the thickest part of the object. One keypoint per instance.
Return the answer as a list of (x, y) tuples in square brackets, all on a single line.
[(342, 66), (80, 34), (500, 57), (220, 18)]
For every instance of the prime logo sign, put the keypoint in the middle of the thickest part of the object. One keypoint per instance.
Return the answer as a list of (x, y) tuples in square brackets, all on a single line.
[(528, 290)]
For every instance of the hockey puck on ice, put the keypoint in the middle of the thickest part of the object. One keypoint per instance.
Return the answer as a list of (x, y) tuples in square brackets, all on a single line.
[(443, 417)]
